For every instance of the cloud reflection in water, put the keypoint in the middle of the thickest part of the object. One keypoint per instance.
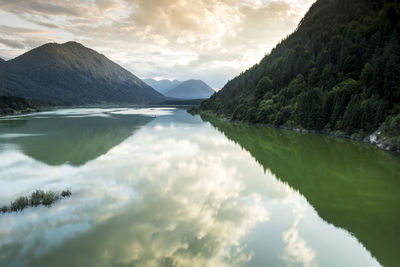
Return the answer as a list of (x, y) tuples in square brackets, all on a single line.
[(176, 193)]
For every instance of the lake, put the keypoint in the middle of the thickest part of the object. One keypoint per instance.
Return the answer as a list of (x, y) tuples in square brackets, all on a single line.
[(160, 187)]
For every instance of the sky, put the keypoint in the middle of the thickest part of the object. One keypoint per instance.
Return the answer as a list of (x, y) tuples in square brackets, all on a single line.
[(211, 40)]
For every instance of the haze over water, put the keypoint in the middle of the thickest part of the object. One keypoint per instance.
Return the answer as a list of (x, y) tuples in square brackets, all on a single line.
[(159, 187)]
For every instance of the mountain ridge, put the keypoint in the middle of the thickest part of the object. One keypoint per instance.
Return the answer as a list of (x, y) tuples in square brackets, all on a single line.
[(162, 86), (71, 73)]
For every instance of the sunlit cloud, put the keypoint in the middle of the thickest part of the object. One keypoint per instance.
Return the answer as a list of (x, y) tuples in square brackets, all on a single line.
[(213, 40)]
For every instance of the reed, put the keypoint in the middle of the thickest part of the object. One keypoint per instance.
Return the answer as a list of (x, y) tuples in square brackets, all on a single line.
[(37, 198)]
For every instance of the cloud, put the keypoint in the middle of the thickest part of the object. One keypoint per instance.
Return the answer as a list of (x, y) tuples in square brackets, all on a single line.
[(297, 251), (12, 43), (16, 39), (56, 7), (47, 25), (193, 38)]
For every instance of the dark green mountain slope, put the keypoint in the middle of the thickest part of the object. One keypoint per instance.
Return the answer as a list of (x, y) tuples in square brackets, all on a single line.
[(72, 74), (191, 89), (340, 70)]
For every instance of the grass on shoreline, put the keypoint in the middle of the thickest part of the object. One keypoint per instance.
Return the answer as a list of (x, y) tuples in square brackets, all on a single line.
[(37, 198)]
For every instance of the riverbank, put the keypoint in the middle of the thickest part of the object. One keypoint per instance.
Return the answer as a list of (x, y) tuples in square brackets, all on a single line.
[(377, 138), (12, 105)]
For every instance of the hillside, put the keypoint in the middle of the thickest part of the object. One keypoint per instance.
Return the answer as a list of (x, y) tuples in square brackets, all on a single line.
[(191, 89), (339, 71), (2, 60), (70, 73), (162, 86)]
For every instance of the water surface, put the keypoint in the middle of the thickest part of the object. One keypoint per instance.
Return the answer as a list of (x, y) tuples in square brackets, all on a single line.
[(159, 187)]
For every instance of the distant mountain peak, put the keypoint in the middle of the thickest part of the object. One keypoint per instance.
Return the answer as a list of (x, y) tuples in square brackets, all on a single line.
[(162, 86), (72, 43), (191, 89), (69, 43)]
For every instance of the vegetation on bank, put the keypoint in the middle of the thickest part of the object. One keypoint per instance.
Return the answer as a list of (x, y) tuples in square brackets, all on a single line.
[(37, 198), (387, 137), (338, 72), (10, 105)]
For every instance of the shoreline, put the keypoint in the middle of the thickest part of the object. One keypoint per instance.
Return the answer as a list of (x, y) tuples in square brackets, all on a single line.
[(49, 108), (19, 112), (375, 139)]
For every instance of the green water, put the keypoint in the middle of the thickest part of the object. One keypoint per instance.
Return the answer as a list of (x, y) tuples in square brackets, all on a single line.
[(159, 187)]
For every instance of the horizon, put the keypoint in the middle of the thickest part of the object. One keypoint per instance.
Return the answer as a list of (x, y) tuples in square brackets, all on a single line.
[(213, 41)]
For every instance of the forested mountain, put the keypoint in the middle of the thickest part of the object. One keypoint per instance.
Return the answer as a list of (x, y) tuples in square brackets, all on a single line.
[(70, 73), (1, 60), (191, 89), (338, 71), (162, 86)]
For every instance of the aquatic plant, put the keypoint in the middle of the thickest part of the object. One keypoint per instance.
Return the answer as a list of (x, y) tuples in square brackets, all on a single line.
[(39, 197), (19, 204), (4, 209), (50, 197), (66, 193)]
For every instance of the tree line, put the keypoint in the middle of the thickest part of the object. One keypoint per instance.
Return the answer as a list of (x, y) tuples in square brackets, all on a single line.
[(339, 71)]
